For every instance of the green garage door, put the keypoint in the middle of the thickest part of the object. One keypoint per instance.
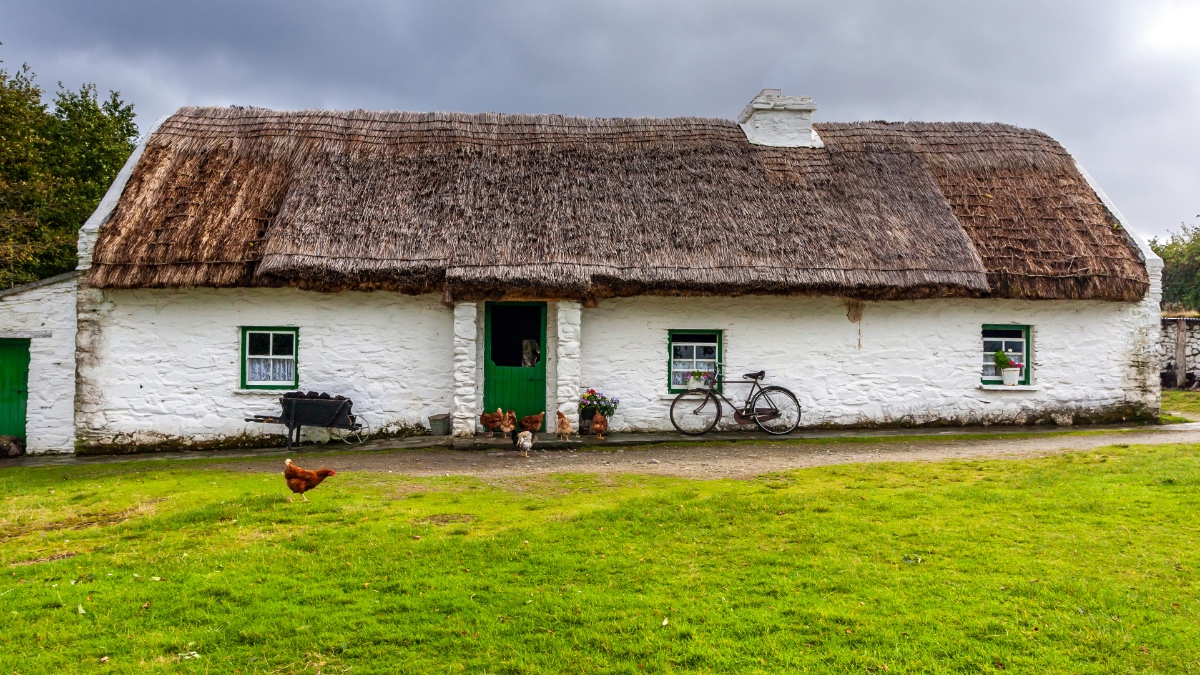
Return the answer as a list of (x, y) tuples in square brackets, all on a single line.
[(14, 386), (514, 369)]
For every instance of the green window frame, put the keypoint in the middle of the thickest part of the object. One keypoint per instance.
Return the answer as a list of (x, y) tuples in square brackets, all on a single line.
[(1014, 339), (270, 350), (694, 353)]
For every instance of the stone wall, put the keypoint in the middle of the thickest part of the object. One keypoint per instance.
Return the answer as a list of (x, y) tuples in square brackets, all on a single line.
[(1166, 345), (911, 362), (45, 314), (162, 367)]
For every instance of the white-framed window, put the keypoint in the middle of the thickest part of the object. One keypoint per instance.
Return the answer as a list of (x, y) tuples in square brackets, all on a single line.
[(1013, 340), (269, 358), (692, 350)]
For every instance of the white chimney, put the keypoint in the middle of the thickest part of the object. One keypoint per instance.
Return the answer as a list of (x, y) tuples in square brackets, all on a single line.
[(780, 121)]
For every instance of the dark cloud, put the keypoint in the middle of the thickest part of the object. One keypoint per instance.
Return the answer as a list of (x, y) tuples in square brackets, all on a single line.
[(1117, 83)]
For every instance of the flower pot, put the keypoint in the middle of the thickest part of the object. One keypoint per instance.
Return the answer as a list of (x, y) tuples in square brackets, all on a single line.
[(696, 383), (1012, 376), (585, 419)]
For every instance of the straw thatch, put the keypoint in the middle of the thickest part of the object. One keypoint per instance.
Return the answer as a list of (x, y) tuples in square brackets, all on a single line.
[(505, 205)]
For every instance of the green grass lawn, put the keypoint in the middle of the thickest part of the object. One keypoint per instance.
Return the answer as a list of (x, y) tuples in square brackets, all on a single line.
[(1184, 402), (1081, 563)]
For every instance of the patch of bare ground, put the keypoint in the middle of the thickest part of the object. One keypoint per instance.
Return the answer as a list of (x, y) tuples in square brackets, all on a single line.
[(445, 519), (80, 521), (49, 558), (722, 460)]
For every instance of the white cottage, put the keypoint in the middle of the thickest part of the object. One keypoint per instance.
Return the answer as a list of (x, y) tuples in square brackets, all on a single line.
[(37, 366), (427, 263)]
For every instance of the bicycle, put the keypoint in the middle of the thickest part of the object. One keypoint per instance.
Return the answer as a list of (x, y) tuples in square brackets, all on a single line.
[(773, 409)]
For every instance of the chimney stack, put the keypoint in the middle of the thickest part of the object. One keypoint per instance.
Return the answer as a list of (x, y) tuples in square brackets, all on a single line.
[(780, 121)]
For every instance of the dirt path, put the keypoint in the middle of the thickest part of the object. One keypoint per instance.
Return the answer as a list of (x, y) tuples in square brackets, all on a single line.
[(716, 460)]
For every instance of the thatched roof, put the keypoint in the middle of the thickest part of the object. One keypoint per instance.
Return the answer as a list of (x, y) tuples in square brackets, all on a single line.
[(489, 205)]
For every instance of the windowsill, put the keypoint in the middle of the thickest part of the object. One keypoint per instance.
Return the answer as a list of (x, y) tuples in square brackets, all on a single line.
[(262, 392), (1010, 387)]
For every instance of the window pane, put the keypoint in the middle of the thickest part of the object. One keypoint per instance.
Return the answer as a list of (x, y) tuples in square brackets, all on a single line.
[(706, 351), (990, 370), (683, 352), (259, 370), (706, 366), (282, 344), (682, 365), (992, 345), (1004, 333), (282, 370), (678, 378), (1014, 346), (259, 344)]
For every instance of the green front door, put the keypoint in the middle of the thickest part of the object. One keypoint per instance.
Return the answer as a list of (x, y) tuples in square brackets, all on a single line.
[(14, 386), (514, 364)]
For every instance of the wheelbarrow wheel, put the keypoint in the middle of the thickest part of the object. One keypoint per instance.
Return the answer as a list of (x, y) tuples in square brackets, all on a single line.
[(357, 436)]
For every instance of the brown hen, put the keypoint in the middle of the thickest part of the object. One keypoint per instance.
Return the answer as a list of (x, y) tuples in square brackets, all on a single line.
[(532, 423), (302, 480), (509, 423), (492, 421), (599, 425)]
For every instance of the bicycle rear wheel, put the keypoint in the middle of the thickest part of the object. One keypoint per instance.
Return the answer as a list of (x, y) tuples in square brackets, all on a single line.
[(695, 412), (775, 410)]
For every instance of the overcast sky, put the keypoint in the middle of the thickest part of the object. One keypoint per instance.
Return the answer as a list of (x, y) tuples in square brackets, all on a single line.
[(1118, 83)]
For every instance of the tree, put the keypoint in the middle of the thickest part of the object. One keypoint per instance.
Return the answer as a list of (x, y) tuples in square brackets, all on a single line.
[(1181, 268), (55, 165)]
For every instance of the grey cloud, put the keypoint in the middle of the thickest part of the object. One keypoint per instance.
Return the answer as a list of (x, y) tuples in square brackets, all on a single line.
[(1070, 68)]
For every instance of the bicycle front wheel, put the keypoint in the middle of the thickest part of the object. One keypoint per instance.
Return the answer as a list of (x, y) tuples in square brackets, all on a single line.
[(695, 412), (775, 410)]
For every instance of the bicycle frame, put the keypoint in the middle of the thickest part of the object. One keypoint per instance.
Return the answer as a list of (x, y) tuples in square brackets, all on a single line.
[(755, 387)]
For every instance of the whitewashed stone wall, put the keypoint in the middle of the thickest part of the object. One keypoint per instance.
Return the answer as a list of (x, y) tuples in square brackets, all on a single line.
[(467, 340), (903, 362), (46, 315), (160, 366), (568, 375)]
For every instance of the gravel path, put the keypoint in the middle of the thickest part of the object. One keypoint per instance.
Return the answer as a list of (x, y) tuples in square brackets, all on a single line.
[(731, 460)]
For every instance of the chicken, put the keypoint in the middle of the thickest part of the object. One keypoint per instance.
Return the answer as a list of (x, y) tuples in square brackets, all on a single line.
[(525, 442), (599, 425), (302, 480), (530, 423), (533, 422), (492, 421), (563, 431), (509, 424)]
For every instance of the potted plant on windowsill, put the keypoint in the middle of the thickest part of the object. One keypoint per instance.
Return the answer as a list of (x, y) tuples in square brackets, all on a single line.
[(591, 403), (701, 379), (1010, 371)]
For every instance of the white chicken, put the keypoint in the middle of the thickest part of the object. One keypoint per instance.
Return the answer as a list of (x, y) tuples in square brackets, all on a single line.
[(525, 442)]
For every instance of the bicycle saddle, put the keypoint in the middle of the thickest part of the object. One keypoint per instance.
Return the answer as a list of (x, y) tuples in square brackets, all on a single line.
[(755, 376)]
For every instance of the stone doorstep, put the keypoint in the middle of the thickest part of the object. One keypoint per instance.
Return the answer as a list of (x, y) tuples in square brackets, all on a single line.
[(544, 441)]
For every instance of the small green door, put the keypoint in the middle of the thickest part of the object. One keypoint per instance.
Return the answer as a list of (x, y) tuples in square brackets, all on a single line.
[(514, 364), (14, 386)]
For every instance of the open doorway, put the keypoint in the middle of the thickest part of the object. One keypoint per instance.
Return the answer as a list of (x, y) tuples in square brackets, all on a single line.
[(514, 374)]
